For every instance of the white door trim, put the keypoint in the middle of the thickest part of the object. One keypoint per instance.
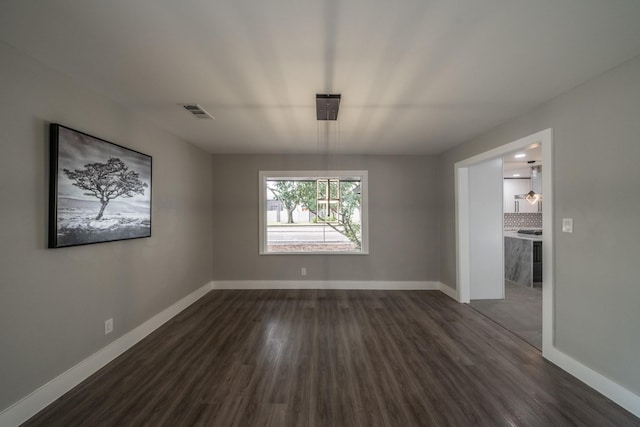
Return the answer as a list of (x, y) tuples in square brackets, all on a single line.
[(545, 138)]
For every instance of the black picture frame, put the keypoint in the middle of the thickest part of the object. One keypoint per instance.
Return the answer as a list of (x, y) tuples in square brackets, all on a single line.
[(98, 191)]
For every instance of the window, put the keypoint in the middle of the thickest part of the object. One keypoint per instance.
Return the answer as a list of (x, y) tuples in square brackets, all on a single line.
[(313, 212)]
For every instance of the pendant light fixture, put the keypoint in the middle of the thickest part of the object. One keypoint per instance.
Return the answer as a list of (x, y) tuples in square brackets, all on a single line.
[(328, 197), (327, 106), (532, 197)]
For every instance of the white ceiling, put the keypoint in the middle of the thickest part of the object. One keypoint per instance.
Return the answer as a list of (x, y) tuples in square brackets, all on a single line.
[(520, 165), (416, 76)]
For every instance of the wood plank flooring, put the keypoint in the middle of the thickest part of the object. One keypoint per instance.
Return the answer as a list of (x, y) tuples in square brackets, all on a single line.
[(331, 358)]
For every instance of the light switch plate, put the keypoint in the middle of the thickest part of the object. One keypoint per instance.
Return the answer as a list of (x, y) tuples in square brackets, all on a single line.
[(108, 326), (567, 225)]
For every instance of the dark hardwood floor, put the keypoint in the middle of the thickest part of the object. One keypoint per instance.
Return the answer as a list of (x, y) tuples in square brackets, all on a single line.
[(331, 358)]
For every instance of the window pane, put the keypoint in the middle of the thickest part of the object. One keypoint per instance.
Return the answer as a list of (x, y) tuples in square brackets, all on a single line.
[(334, 193), (313, 214)]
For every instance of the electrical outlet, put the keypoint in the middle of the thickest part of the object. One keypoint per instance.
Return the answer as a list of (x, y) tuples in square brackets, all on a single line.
[(303, 271), (567, 225), (108, 326)]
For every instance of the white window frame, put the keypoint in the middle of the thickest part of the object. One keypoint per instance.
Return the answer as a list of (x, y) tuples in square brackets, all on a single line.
[(263, 176)]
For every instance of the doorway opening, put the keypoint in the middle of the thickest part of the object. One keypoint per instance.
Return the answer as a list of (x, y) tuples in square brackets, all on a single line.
[(520, 308), (480, 260)]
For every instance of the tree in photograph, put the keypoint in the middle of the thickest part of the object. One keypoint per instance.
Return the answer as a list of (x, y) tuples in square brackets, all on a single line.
[(107, 181)]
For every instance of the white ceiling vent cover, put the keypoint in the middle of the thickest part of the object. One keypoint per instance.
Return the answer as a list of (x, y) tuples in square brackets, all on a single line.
[(197, 111)]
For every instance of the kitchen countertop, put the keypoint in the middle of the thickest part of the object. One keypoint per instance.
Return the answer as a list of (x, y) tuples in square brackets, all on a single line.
[(515, 235)]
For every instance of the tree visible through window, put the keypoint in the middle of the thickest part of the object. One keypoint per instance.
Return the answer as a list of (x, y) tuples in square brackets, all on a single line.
[(313, 214)]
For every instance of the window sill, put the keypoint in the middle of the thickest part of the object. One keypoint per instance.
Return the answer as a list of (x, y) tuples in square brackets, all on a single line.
[(315, 253)]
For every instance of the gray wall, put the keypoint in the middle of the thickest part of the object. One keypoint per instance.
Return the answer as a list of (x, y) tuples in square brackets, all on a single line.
[(596, 129), (53, 302), (403, 218)]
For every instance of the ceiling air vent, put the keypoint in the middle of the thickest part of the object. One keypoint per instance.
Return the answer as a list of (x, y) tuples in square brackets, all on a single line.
[(197, 111)]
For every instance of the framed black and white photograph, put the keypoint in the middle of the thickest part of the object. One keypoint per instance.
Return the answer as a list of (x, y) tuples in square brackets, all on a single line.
[(99, 191)]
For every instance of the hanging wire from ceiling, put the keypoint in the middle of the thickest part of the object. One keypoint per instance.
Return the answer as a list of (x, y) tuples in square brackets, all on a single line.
[(328, 138)]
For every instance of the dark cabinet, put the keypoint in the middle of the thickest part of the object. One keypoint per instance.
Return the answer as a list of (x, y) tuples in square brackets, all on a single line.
[(537, 262)]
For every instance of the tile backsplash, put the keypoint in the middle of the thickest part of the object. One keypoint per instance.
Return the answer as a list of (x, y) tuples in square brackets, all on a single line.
[(516, 221)]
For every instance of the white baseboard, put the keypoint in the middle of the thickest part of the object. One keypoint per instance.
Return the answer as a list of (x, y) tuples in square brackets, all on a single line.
[(326, 284), (614, 391), (449, 291), (30, 405)]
